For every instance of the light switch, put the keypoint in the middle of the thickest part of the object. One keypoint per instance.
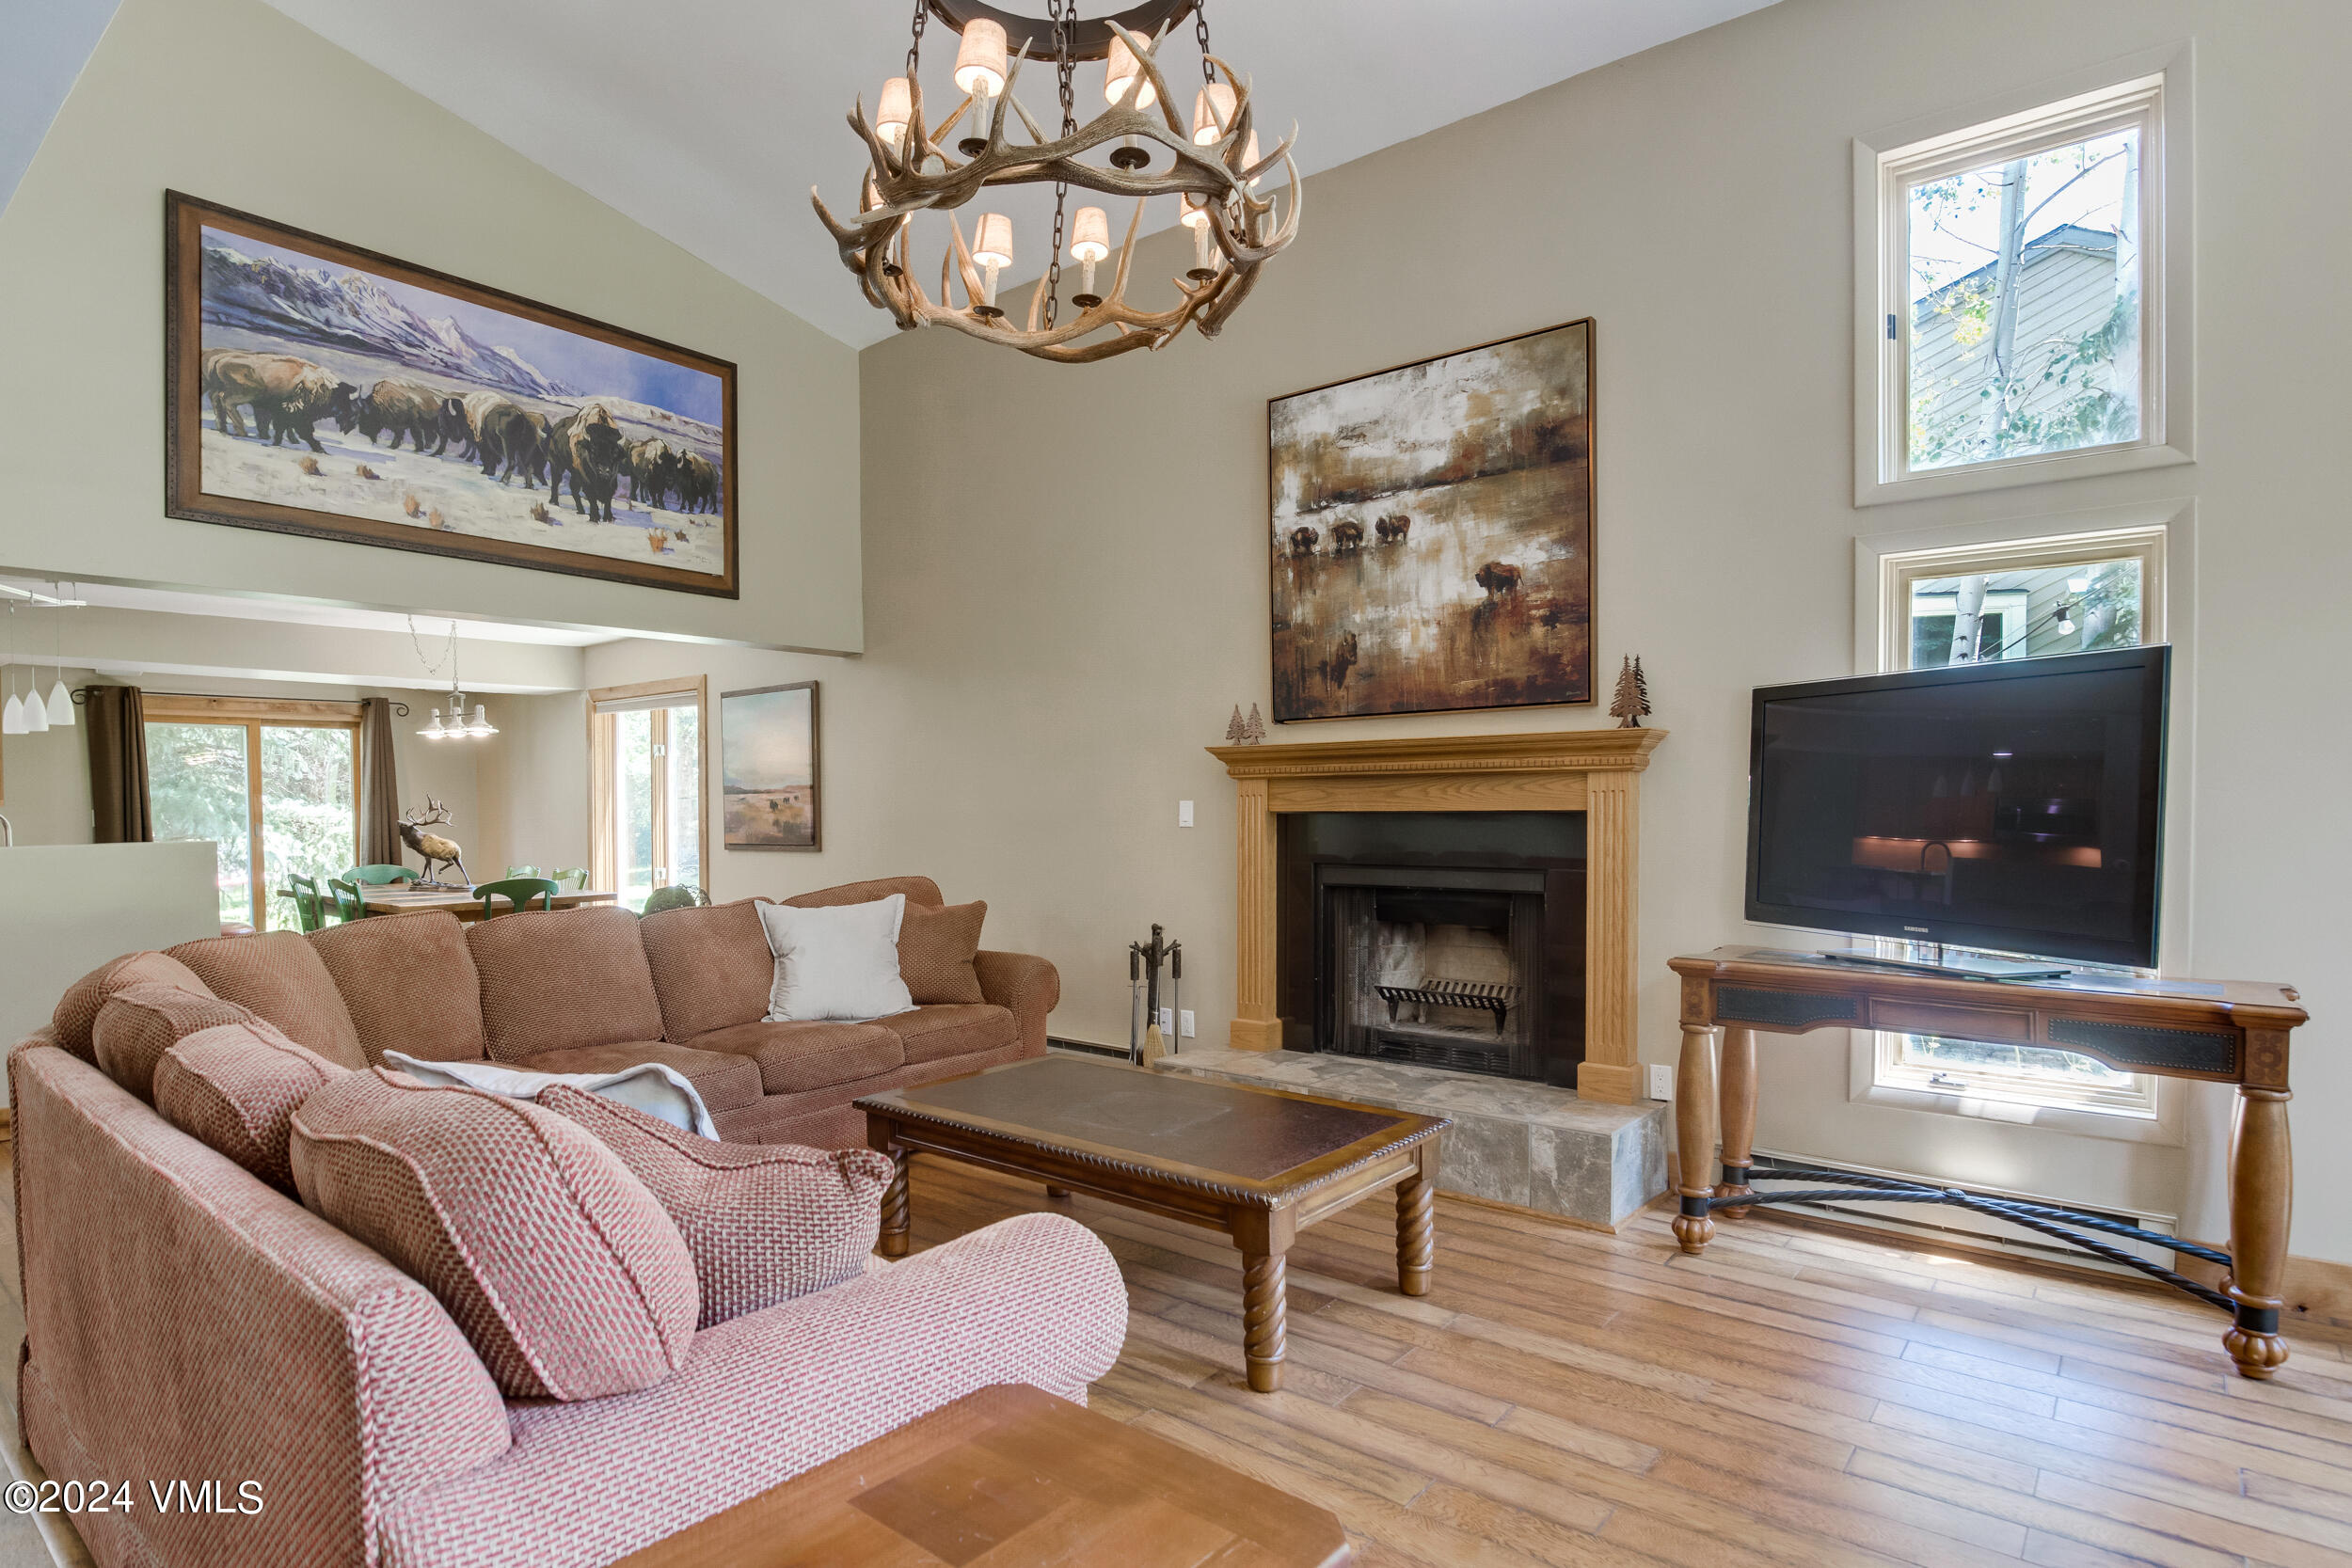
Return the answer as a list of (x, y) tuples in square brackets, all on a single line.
[(1184, 1020), (1183, 813), (1167, 1020)]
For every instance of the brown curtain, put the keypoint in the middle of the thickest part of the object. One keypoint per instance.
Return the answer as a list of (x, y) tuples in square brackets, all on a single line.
[(379, 787), (115, 722)]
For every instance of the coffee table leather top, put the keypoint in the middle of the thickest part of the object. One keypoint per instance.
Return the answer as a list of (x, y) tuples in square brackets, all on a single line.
[(1159, 1120)]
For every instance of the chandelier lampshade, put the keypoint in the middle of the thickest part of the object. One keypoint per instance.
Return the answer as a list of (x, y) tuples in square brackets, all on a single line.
[(980, 63), (1124, 69), (1212, 112), (1135, 150), (890, 116)]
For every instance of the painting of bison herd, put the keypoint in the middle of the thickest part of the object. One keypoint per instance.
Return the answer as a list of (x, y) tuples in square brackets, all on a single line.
[(1432, 534), (319, 388)]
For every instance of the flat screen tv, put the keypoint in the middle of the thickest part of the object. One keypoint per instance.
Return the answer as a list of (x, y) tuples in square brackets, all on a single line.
[(2016, 806)]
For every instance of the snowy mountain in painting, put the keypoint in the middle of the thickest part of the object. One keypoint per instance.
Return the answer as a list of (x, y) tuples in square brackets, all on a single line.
[(311, 304)]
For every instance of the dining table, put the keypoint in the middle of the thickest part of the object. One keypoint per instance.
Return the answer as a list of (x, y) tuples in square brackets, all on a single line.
[(398, 899)]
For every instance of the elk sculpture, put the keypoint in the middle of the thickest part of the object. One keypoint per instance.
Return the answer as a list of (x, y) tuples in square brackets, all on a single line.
[(435, 850)]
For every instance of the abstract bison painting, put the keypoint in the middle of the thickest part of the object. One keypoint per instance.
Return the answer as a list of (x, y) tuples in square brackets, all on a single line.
[(319, 388), (1432, 534)]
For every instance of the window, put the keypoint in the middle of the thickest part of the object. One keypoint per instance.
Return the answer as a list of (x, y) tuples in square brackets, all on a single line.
[(2012, 273), (645, 799), (2021, 598), (246, 771)]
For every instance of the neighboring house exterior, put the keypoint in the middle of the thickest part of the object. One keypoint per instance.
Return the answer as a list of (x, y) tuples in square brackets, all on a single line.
[(2066, 290)]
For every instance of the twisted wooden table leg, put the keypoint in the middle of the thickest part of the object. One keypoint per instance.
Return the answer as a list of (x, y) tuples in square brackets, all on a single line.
[(1416, 1237), (894, 1207), (1264, 1310)]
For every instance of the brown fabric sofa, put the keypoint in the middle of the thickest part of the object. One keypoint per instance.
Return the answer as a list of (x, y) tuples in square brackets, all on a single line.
[(595, 990), (187, 1316)]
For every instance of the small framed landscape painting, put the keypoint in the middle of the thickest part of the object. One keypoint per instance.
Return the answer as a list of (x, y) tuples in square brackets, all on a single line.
[(1431, 534), (768, 766), (315, 387)]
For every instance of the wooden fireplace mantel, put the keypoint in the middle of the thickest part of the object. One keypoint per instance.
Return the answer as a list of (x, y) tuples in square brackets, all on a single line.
[(1595, 771)]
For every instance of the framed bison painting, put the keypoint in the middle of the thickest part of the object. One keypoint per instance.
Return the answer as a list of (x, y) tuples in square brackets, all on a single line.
[(316, 388), (1432, 534), (768, 768)]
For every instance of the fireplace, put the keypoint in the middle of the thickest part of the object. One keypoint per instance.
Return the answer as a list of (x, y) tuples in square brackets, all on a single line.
[(1584, 782), (1445, 938)]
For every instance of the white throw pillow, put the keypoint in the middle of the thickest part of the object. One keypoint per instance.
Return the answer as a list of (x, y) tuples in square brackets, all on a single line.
[(837, 963), (649, 1086)]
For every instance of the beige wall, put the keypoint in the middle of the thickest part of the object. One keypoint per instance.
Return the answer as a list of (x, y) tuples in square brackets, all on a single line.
[(1066, 577), (232, 102)]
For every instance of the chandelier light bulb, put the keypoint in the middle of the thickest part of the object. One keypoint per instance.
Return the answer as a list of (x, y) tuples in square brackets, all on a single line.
[(1124, 70), (434, 730), (896, 110), (991, 249), (481, 725), (1212, 113), (1090, 234), (1193, 212)]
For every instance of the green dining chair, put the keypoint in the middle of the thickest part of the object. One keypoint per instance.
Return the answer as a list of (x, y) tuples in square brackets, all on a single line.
[(673, 897), (310, 909), (524, 871), (519, 892), (576, 875), (378, 875), (350, 903)]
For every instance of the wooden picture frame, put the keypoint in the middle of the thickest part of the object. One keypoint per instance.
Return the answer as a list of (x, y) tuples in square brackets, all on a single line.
[(325, 342), (1430, 533), (760, 798)]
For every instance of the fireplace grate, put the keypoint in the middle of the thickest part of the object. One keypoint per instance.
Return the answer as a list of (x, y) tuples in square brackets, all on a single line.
[(1493, 997), (1466, 1054)]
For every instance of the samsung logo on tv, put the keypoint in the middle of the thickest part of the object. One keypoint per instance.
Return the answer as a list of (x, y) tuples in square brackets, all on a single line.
[(1921, 929)]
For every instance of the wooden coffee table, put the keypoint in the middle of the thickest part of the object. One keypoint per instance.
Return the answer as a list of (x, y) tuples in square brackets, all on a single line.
[(1009, 1475), (1259, 1165)]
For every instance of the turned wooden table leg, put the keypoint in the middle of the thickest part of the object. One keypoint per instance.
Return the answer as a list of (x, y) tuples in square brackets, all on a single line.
[(2262, 1195), (1694, 1135), (894, 1204), (1416, 1236), (1265, 1312), (1739, 1118)]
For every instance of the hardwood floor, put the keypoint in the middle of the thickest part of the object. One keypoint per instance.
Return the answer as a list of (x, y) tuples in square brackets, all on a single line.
[(1794, 1397), (1791, 1399)]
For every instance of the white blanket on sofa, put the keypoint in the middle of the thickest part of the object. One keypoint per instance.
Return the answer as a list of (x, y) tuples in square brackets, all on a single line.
[(649, 1086)]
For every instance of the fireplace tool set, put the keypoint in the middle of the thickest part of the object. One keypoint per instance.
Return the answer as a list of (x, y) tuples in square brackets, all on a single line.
[(1147, 1044)]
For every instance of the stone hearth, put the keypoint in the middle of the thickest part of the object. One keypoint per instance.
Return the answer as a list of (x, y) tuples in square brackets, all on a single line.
[(1519, 1143)]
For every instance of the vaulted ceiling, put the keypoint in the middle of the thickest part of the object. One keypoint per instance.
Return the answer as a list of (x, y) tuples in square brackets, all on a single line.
[(709, 121)]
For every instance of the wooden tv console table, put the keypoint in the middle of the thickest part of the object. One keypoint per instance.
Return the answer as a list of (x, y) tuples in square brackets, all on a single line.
[(2227, 1032)]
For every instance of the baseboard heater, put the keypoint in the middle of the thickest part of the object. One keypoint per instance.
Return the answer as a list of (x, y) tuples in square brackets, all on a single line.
[(1967, 1226), (1056, 1042)]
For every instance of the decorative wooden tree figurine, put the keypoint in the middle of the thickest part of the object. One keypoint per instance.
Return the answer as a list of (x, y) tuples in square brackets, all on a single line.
[(1253, 733), (1632, 698), (1236, 732)]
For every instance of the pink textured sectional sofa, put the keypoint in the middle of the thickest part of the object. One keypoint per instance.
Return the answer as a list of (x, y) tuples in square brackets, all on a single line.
[(188, 1318)]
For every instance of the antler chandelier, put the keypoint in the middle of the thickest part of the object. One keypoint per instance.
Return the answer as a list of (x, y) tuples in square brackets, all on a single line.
[(1213, 169)]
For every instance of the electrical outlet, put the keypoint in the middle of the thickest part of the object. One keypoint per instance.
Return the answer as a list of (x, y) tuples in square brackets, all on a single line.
[(1661, 1081), (1183, 813), (1185, 1028), (1167, 1020)]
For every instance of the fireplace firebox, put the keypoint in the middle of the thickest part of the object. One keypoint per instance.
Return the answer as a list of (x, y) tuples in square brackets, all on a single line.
[(1445, 938)]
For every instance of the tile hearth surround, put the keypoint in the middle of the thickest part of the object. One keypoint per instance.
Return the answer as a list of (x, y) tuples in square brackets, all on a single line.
[(1525, 1143)]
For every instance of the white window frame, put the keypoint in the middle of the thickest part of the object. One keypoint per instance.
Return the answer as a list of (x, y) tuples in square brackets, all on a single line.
[(2162, 535), (2151, 90)]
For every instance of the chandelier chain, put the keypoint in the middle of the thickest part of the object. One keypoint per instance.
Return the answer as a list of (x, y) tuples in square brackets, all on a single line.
[(1201, 31), (914, 48), (1065, 23), (432, 666)]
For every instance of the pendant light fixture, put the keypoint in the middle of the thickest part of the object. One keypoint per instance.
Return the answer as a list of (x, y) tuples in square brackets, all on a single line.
[(61, 699), (12, 715), (458, 727), (1210, 163)]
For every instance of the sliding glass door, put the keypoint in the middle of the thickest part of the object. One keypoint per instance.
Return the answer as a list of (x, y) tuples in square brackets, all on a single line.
[(645, 787), (243, 772)]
